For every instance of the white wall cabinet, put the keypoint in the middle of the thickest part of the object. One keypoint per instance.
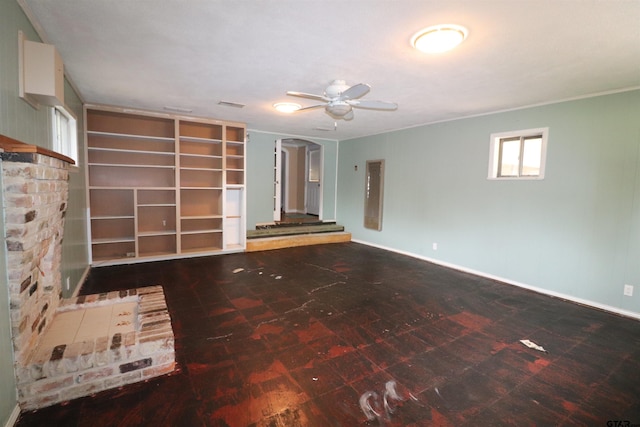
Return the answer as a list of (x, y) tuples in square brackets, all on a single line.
[(163, 186), (42, 73)]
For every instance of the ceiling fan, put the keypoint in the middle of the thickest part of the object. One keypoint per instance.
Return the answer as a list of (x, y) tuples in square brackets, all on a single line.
[(340, 99)]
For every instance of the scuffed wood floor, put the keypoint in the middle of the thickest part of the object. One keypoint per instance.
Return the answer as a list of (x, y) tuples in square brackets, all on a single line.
[(348, 335)]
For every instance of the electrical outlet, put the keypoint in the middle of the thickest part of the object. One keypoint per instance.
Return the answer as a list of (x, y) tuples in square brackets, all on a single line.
[(435, 246), (628, 290)]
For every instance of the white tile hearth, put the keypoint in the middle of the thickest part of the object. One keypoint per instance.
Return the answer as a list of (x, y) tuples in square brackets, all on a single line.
[(89, 323)]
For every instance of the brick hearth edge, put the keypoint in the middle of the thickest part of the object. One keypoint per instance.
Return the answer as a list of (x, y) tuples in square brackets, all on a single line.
[(72, 370)]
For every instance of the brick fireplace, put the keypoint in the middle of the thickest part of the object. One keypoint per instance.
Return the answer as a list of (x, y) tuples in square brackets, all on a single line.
[(67, 348), (35, 191)]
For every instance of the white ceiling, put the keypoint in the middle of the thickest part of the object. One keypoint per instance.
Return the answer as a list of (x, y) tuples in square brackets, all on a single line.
[(192, 54)]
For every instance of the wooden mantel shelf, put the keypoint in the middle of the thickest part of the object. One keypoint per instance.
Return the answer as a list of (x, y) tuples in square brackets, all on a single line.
[(10, 145)]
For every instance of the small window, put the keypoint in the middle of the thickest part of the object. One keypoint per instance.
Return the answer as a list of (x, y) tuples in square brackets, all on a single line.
[(314, 166), (518, 155), (65, 133)]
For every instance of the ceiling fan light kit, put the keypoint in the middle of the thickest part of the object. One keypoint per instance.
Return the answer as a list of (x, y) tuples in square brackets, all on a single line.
[(439, 38)]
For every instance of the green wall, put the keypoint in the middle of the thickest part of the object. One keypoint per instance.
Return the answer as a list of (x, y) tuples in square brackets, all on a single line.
[(576, 233), (20, 121), (260, 177)]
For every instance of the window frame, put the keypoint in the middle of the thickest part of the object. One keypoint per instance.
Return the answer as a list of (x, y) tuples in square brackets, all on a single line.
[(495, 153), (67, 146)]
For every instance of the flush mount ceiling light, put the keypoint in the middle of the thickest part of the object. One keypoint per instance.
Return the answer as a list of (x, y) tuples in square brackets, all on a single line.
[(439, 38), (287, 107)]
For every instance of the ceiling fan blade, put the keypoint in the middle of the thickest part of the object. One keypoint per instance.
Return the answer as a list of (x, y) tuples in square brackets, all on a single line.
[(355, 91), (311, 107), (374, 105), (307, 95)]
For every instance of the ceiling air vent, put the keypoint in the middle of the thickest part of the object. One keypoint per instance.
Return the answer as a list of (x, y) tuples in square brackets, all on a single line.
[(327, 129), (178, 109), (231, 104)]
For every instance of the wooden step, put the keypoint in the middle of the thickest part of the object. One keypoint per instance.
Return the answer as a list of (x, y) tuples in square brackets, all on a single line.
[(294, 230), (279, 242)]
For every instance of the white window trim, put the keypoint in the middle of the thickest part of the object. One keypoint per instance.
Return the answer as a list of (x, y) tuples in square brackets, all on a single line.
[(494, 152), (68, 148)]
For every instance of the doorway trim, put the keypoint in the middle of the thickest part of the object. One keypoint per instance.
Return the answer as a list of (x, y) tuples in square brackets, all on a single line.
[(319, 179), (277, 173), (285, 163), (280, 145)]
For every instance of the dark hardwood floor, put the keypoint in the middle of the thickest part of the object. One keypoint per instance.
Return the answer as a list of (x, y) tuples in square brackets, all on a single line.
[(349, 335)]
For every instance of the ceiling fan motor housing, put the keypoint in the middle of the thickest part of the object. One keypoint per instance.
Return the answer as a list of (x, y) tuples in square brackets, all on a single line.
[(336, 88)]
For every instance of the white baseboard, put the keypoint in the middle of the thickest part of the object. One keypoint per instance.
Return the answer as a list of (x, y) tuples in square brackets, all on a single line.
[(13, 418), (571, 298)]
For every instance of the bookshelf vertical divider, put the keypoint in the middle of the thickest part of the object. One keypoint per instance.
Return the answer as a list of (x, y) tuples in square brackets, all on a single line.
[(177, 191), (159, 185)]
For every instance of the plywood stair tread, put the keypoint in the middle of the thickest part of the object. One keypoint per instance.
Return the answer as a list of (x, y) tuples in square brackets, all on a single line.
[(287, 235), (289, 241)]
